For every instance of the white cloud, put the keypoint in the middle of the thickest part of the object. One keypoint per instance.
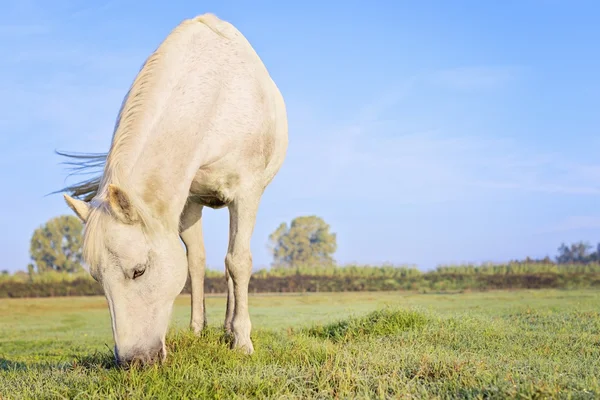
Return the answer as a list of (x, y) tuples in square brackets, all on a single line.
[(93, 10), (13, 31), (77, 57), (481, 77), (374, 160), (574, 223)]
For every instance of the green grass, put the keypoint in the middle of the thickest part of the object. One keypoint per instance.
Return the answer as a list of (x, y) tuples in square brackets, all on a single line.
[(520, 344)]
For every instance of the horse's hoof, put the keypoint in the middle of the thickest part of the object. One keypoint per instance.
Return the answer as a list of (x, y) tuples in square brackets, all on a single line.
[(245, 346)]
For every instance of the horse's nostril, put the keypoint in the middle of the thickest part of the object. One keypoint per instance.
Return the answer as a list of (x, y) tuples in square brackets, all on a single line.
[(141, 359)]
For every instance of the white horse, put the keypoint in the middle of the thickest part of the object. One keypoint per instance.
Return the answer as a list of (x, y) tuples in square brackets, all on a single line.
[(203, 124)]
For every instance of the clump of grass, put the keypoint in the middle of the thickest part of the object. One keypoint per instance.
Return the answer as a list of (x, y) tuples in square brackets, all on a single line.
[(384, 322), (97, 360)]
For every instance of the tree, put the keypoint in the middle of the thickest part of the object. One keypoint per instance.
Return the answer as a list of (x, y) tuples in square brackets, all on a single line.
[(306, 241), (56, 245)]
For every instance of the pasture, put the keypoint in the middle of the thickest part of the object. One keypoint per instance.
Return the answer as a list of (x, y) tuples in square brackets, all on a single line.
[(525, 344)]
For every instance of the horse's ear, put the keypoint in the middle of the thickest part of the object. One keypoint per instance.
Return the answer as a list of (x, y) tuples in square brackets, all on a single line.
[(121, 205), (81, 208)]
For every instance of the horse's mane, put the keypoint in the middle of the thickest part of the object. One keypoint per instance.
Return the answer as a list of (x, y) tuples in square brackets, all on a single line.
[(85, 190), (130, 117)]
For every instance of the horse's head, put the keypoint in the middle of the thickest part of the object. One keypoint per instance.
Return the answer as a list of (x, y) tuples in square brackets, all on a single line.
[(142, 271)]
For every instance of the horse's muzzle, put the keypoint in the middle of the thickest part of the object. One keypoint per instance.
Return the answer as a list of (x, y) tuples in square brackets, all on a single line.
[(139, 357)]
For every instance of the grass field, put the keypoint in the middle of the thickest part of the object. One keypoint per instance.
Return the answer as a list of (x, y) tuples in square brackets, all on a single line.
[(525, 344)]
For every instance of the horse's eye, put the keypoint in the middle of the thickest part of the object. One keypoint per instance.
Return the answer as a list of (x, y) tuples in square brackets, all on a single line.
[(138, 272)]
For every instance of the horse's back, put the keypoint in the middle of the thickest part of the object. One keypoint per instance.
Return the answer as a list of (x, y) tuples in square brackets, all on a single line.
[(245, 134)]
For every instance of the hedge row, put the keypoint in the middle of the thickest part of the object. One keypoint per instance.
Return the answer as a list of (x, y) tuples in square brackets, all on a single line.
[(435, 281)]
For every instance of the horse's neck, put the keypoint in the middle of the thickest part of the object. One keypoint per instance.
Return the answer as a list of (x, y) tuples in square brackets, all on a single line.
[(154, 154), (156, 161), (160, 178)]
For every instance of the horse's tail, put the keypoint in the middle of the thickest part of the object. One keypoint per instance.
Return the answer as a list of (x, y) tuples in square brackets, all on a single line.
[(83, 164)]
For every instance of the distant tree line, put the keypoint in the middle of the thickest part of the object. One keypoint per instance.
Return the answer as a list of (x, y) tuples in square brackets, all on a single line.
[(343, 279), (303, 262)]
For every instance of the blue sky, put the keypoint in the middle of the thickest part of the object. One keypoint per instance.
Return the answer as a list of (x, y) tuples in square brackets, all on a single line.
[(424, 132)]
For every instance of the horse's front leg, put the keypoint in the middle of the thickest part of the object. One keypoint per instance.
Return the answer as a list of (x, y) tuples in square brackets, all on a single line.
[(191, 234), (230, 302)]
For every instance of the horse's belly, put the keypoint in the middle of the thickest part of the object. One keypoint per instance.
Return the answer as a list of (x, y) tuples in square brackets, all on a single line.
[(213, 190), (208, 201)]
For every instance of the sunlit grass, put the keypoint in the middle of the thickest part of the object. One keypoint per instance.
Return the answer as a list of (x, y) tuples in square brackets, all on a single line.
[(349, 345)]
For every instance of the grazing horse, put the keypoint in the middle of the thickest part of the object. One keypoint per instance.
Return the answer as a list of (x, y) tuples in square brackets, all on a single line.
[(203, 124)]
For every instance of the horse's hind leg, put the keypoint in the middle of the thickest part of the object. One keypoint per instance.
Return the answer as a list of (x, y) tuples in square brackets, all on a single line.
[(191, 234), (242, 217)]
